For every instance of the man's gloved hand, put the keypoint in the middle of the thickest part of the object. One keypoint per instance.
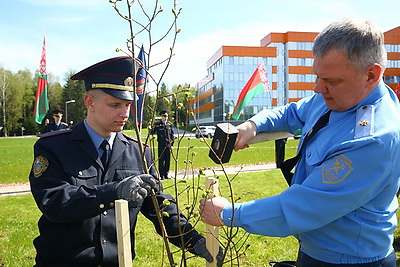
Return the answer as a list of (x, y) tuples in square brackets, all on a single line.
[(200, 249), (136, 187)]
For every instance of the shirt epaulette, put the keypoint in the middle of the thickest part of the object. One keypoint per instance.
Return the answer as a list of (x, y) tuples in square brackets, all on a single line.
[(54, 133), (364, 122), (133, 139)]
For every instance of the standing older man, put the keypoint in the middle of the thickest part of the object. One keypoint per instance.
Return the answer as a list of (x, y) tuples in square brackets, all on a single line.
[(77, 175), (342, 203)]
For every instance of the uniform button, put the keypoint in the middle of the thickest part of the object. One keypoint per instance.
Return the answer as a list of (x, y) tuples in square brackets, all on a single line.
[(111, 204), (101, 206), (104, 242), (105, 213)]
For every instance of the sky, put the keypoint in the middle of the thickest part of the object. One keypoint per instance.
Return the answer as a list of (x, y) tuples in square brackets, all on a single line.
[(80, 33)]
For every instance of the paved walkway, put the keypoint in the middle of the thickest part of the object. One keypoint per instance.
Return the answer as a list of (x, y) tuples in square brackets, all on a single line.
[(24, 188)]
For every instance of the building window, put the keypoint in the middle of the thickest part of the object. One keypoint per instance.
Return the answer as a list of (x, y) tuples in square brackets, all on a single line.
[(392, 48), (304, 46), (301, 78), (393, 64)]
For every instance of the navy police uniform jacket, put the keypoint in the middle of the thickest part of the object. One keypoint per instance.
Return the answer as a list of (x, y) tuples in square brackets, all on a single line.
[(76, 198), (52, 126), (165, 133)]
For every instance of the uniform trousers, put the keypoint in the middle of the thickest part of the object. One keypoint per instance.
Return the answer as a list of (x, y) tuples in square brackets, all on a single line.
[(164, 156), (304, 260)]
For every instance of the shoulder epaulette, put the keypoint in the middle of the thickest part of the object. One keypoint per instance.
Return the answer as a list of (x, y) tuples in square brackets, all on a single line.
[(364, 122), (133, 139), (54, 133)]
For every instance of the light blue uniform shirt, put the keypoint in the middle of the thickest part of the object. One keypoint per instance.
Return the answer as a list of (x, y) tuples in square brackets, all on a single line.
[(98, 139), (342, 203)]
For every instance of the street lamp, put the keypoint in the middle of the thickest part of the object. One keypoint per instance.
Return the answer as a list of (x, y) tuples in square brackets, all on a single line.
[(66, 109)]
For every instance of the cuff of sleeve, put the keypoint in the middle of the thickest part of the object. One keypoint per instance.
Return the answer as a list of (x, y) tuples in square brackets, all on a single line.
[(227, 214)]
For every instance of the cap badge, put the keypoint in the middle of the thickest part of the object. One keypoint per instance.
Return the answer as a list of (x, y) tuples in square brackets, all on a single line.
[(128, 82)]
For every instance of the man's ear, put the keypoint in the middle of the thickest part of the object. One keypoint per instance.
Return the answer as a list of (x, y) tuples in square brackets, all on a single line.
[(88, 99), (374, 72)]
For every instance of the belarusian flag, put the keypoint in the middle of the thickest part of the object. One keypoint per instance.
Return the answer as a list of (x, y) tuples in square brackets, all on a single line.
[(257, 84), (42, 100)]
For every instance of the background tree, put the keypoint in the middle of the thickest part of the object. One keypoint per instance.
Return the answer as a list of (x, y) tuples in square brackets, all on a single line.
[(55, 91), (29, 87), (5, 77), (164, 98), (74, 90), (181, 103), (12, 101), (148, 111)]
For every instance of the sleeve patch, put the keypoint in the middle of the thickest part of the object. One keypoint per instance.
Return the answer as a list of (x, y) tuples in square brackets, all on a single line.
[(40, 165), (336, 170)]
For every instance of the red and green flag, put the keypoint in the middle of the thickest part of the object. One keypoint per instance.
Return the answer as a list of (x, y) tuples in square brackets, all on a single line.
[(257, 84), (42, 100)]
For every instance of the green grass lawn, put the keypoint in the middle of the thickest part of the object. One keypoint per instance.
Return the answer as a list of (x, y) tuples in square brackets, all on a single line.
[(16, 156)]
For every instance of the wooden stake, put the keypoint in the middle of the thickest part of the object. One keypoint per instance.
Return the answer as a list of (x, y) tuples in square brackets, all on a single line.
[(212, 232), (123, 233)]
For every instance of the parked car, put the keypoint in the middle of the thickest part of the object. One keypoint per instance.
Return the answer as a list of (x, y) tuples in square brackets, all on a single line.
[(206, 131)]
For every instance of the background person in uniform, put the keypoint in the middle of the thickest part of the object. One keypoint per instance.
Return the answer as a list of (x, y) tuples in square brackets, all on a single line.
[(342, 203), (56, 124), (75, 187), (165, 139)]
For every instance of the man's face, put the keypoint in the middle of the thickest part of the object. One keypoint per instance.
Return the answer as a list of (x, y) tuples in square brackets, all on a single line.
[(106, 114), (57, 118), (164, 117), (341, 86)]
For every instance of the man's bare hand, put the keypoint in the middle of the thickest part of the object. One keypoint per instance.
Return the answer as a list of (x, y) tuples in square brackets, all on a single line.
[(247, 131), (210, 210)]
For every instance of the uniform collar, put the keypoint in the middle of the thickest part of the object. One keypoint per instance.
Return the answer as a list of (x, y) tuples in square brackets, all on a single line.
[(98, 139)]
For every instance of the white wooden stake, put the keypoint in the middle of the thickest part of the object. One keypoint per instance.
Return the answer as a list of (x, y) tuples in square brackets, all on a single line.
[(212, 232), (123, 233)]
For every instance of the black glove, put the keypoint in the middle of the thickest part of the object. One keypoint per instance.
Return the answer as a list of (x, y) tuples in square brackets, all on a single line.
[(136, 188), (201, 250)]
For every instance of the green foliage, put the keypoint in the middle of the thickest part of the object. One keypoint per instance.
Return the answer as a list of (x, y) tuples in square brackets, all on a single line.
[(164, 100), (17, 98), (182, 95), (74, 90)]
